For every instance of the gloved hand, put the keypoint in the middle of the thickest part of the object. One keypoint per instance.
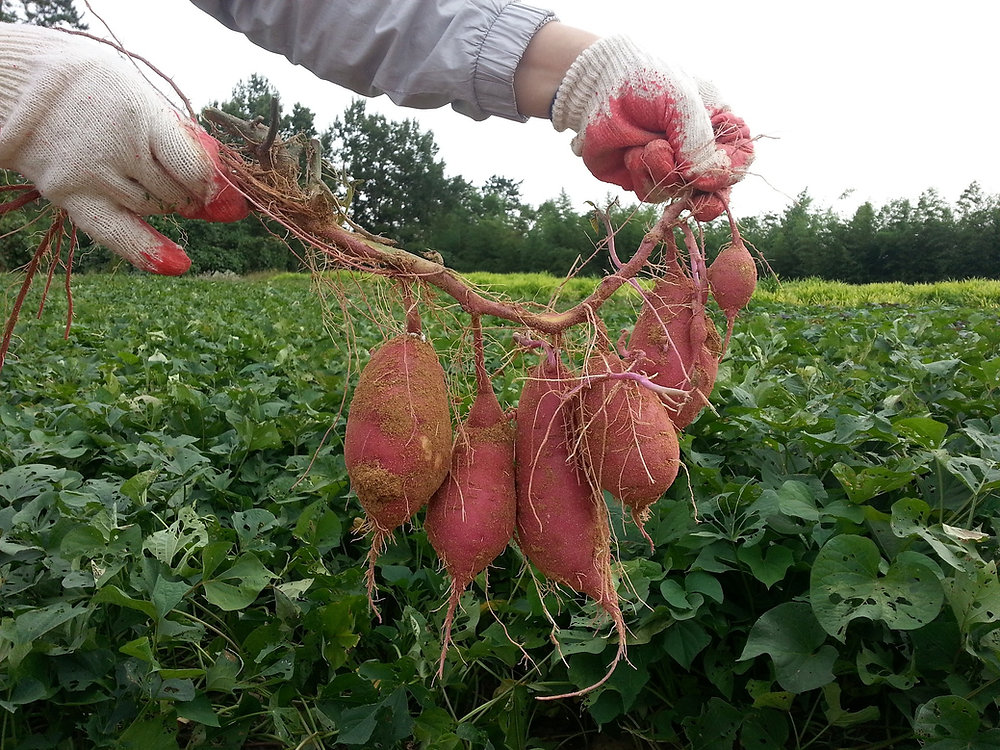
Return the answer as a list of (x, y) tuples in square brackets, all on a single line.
[(650, 128), (80, 122)]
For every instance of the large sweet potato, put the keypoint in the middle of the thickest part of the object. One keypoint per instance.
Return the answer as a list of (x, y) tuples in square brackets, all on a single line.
[(629, 436), (397, 446)]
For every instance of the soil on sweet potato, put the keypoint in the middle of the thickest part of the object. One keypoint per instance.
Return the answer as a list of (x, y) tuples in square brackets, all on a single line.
[(399, 436)]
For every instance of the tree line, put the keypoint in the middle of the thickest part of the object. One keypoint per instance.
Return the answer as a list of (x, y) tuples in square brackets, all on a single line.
[(390, 174), (41, 13)]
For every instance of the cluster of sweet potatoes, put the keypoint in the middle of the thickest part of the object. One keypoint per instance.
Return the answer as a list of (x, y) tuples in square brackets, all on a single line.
[(538, 477)]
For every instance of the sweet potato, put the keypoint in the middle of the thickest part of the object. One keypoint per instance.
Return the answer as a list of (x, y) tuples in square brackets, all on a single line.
[(704, 371), (732, 279), (562, 520), (629, 436), (398, 440), (677, 343), (662, 332), (470, 519)]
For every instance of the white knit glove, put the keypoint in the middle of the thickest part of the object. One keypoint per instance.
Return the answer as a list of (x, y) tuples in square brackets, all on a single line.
[(95, 138), (649, 127)]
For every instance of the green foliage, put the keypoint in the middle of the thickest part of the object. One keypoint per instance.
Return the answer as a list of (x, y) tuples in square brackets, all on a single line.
[(968, 293), (401, 184), (179, 567), (42, 13)]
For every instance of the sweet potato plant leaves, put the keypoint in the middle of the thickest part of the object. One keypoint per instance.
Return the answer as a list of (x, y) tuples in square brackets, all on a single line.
[(949, 721), (27, 629), (875, 667), (238, 587), (926, 432), (847, 583), (974, 595), (864, 484), (795, 641), (180, 564), (113, 595), (149, 734), (954, 546), (29, 480), (684, 641), (767, 564)]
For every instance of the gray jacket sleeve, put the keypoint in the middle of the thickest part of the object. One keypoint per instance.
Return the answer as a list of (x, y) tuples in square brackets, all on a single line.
[(420, 53)]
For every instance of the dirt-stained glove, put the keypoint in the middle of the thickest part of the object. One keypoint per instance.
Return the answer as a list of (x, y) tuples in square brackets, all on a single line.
[(650, 128), (80, 122)]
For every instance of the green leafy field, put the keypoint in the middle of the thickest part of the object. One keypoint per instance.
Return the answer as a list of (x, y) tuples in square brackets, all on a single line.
[(179, 565)]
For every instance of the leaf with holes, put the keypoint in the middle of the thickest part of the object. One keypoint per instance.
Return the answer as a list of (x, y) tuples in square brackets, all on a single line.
[(953, 546), (926, 432), (846, 584), (875, 667), (864, 483), (946, 717), (978, 474), (239, 586), (974, 596)]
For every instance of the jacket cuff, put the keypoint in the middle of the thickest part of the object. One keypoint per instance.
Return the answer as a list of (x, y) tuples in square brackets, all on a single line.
[(500, 52)]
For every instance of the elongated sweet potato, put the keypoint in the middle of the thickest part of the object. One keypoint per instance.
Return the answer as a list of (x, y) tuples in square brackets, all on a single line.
[(562, 521), (663, 332), (704, 371), (678, 342), (470, 519), (397, 446)]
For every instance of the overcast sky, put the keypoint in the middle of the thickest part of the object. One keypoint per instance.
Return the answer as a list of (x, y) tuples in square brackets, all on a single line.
[(854, 100)]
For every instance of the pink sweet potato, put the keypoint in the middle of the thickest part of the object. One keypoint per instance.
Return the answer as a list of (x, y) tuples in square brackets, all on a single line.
[(398, 440), (663, 330), (562, 520), (704, 371), (732, 278), (677, 343), (470, 519), (629, 436)]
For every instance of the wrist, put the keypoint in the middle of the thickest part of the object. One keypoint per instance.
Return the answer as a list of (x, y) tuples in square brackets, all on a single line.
[(599, 74), (542, 68)]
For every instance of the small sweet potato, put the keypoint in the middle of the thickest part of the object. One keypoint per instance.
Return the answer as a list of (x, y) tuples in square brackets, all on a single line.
[(732, 278)]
